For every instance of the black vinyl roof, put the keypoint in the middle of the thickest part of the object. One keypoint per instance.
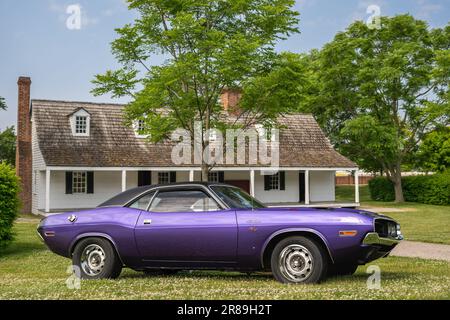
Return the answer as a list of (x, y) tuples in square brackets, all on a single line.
[(122, 199)]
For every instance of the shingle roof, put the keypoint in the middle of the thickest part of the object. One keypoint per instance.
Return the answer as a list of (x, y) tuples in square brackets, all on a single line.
[(112, 144)]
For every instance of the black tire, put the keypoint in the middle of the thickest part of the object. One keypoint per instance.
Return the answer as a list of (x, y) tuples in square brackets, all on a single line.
[(160, 272), (101, 249), (342, 269), (299, 260)]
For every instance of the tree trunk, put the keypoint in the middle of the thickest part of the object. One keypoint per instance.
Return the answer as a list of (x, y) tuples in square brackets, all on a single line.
[(397, 179), (205, 172)]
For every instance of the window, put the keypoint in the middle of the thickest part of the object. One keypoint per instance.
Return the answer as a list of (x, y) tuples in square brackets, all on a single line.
[(143, 202), (183, 201), (236, 198), (140, 125), (163, 177), (79, 184), (213, 177), (274, 182), (80, 125)]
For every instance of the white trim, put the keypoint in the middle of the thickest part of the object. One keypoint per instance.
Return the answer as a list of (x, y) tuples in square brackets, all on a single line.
[(47, 190), (252, 183), (124, 180), (357, 186), (191, 176), (187, 169), (307, 193)]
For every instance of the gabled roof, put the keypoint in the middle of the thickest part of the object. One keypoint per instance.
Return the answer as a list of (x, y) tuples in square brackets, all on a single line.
[(112, 144)]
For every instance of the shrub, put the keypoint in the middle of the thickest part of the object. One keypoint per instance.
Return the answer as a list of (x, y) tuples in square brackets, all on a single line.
[(381, 189), (9, 202), (432, 189)]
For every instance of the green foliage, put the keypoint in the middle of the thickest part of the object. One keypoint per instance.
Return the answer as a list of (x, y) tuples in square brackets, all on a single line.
[(209, 45), (432, 189), (2, 104), (9, 202), (392, 81), (434, 151), (8, 146), (381, 189)]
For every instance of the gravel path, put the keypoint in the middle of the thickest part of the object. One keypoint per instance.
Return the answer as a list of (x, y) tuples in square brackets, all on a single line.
[(422, 250)]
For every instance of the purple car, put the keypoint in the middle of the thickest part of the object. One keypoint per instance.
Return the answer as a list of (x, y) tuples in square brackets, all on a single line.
[(216, 226)]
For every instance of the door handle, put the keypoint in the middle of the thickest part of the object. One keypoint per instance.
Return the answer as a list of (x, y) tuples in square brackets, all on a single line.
[(147, 222)]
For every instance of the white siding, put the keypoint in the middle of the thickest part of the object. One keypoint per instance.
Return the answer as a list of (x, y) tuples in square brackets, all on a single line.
[(291, 194), (38, 164), (322, 186), (106, 185)]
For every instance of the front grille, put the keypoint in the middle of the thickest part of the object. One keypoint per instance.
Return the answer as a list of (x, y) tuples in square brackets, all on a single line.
[(386, 228)]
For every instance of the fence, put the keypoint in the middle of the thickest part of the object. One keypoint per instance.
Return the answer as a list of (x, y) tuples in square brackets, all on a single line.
[(351, 180)]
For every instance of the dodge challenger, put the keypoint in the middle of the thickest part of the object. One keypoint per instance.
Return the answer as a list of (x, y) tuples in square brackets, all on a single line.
[(190, 226)]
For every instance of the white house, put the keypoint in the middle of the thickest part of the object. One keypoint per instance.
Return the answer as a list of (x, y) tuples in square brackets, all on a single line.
[(76, 155)]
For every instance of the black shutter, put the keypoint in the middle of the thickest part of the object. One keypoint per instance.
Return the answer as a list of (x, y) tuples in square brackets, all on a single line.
[(90, 182), (69, 177), (282, 180), (221, 176), (173, 177), (144, 178), (267, 182)]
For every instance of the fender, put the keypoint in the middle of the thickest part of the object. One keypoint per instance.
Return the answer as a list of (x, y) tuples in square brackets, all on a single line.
[(289, 230), (93, 235)]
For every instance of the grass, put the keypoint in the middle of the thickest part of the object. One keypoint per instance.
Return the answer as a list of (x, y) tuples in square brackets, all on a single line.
[(420, 222), (29, 271)]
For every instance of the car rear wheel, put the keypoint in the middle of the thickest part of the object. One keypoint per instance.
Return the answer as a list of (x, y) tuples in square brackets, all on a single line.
[(96, 258), (298, 260)]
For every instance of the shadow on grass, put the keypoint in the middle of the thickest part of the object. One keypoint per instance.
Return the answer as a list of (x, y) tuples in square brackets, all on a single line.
[(202, 274)]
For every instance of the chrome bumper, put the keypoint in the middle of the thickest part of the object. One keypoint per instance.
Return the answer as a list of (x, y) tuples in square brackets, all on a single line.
[(373, 238)]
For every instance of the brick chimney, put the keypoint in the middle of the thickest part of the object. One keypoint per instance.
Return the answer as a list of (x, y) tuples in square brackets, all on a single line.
[(230, 99), (23, 150)]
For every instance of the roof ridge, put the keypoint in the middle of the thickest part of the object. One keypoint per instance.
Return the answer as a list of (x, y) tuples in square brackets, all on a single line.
[(78, 102)]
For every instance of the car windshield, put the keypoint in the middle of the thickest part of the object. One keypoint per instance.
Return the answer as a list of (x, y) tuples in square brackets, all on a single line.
[(236, 198)]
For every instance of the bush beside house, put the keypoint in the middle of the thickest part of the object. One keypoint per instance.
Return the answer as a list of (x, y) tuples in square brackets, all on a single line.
[(432, 189), (9, 202)]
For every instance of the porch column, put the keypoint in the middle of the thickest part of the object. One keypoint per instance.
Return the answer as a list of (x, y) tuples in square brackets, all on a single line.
[(47, 190), (191, 176), (307, 196), (124, 180), (252, 183), (357, 186)]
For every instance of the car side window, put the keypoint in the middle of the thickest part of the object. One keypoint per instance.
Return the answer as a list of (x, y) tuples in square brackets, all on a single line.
[(183, 201), (143, 202)]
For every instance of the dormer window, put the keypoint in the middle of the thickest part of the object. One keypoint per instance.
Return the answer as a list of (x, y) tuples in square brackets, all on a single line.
[(139, 128), (80, 122)]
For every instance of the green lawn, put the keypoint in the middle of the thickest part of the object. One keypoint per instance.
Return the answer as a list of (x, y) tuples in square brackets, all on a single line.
[(420, 222), (29, 271)]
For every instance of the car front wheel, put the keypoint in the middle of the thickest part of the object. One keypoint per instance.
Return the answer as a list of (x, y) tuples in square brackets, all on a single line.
[(298, 260), (96, 258)]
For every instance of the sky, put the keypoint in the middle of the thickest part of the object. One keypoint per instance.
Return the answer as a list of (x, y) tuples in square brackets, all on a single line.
[(40, 39)]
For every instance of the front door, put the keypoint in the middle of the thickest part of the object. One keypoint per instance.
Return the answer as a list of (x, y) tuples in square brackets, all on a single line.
[(186, 227)]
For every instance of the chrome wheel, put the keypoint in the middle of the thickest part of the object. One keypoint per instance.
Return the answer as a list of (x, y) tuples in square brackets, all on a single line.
[(93, 260), (296, 263)]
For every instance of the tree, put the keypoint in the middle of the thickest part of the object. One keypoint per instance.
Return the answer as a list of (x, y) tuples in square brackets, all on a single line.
[(378, 92), (2, 104), (8, 146), (209, 45), (434, 151)]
